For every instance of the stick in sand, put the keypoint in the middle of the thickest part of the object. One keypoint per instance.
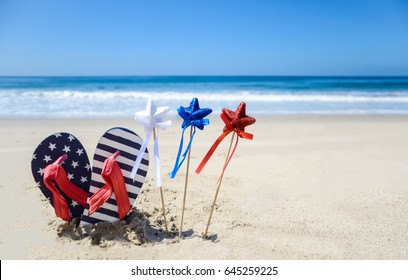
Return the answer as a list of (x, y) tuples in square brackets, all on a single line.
[(219, 186), (193, 117), (161, 193), (185, 188), (235, 122)]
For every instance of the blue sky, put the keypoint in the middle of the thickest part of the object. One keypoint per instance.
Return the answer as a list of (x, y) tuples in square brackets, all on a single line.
[(191, 37)]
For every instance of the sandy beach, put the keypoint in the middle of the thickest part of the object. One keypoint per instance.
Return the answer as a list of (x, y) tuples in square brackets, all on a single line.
[(314, 187)]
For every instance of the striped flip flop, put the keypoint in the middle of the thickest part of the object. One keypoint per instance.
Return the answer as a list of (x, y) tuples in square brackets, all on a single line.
[(61, 170), (113, 192)]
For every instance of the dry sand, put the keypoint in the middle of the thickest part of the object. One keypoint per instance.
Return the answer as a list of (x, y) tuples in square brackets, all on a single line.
[(304, 188)]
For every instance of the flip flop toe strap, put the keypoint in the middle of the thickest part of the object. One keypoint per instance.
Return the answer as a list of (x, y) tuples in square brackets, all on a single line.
[(54, 173), (115, 182)]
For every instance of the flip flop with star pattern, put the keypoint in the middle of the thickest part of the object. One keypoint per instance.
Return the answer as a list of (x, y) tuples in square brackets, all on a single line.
[(62, 171)]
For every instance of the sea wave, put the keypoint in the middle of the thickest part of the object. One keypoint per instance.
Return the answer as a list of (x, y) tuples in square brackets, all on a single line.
[(271, 96), (101, 104)]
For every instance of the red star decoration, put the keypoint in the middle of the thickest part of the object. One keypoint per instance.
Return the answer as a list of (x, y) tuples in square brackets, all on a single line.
[(238, 119)]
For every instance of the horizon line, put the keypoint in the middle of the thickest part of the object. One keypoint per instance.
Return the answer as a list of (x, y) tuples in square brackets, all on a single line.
[(210, 75)]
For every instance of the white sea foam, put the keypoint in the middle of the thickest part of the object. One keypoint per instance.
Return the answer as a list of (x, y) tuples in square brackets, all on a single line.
[(280, 96), (90, 104)]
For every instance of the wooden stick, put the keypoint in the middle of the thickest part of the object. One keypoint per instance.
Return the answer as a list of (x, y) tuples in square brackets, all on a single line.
[(185, 189), (161, 193), (164, 210), (218, 186)]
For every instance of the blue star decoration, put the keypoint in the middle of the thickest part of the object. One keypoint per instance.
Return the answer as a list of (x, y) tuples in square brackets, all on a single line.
[(194, 115)]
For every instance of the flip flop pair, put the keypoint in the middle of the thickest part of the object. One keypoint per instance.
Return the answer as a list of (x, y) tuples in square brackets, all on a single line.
[(104, 192)]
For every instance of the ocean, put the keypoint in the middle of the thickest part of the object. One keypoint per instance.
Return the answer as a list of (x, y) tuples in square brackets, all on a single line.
[(122, 96)]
